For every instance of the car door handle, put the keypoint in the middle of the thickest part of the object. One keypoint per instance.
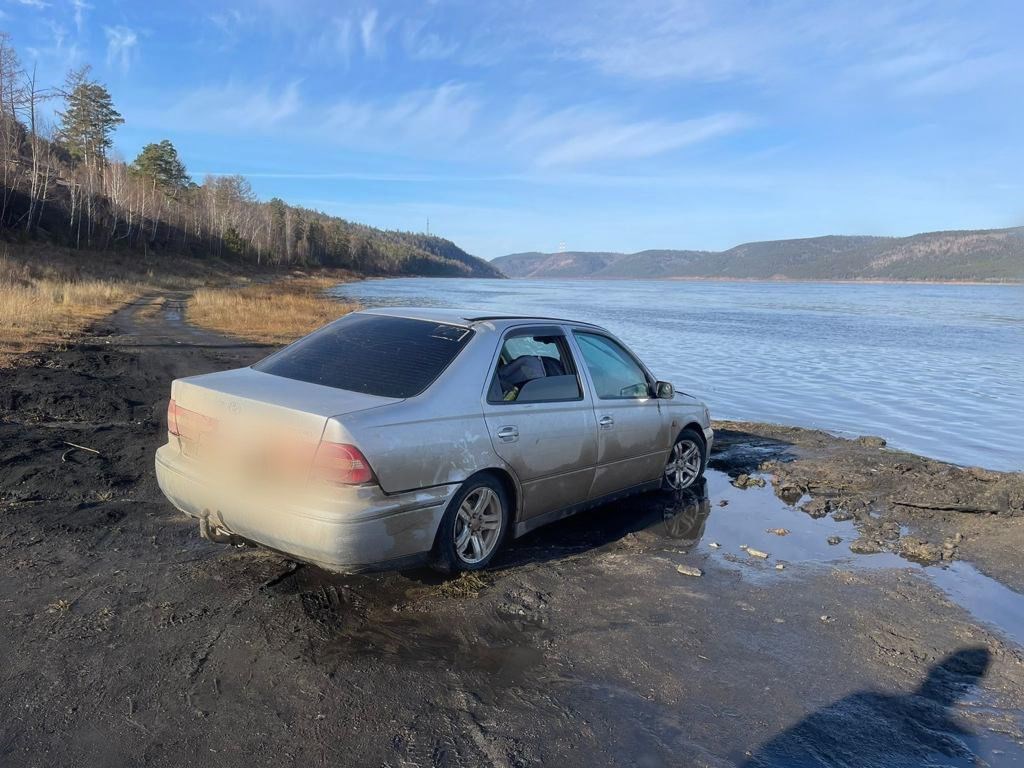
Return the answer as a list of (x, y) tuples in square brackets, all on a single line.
[(606, 422), (508, 434)]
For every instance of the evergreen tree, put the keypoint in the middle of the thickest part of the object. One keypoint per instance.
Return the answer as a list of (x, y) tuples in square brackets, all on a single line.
[(160, 162), (89, 117)]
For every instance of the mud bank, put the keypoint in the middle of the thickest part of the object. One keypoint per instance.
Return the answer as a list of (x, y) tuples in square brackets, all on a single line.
[(926, 510), (129, 640)]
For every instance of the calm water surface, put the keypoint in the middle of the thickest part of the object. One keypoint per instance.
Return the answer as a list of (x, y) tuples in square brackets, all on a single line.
[(934, 369)]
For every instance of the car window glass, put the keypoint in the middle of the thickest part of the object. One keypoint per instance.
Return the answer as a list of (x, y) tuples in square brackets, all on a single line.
[(534, 369), (615, 373), (373, 354)]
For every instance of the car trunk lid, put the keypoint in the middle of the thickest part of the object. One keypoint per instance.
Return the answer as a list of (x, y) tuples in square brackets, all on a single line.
[(256, 424)]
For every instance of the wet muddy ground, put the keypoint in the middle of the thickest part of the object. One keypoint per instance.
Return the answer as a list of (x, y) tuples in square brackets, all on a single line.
[(129, 640)]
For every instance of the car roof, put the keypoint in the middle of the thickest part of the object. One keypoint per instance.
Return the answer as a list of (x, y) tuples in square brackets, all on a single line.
[(465, 317)]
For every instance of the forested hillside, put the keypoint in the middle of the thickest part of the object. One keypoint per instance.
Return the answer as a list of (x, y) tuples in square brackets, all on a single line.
[(983, 255), (61, 183)]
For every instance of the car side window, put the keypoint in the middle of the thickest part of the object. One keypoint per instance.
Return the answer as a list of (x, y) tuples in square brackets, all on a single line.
[(534, 369), (616, 374)]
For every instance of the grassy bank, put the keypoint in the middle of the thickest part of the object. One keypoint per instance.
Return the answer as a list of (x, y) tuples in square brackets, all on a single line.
[(49, 295), (38, 312), (43, 301), (274, 313)]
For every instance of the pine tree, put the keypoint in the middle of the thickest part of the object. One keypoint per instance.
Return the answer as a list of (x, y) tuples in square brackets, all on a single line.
[(89, 117), (160, 162)]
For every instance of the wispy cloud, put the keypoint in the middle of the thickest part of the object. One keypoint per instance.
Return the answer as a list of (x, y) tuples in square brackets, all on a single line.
[(645, 138), (420, 43), (122, 46), (62, 51), (931, 56), (907, 46), (581, 135), (445, 113), (341, 37), (230, 108), (33, 3), (227, 24), (80, 8), (373, 45)]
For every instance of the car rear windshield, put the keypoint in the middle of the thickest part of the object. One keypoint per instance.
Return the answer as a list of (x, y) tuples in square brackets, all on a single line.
[(372, 354)]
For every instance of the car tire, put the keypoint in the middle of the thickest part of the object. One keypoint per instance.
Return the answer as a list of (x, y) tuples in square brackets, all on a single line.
[(480, 510), (686, 461)]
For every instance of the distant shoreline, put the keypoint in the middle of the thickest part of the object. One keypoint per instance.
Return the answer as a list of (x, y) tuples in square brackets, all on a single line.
[(984, 256), (686, 279)]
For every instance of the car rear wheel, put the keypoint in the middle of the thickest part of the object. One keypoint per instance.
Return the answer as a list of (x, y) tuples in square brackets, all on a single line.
[(685, 463), (474, 525)]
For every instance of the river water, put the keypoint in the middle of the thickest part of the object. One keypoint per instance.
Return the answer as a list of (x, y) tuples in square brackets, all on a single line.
[(934, 369)]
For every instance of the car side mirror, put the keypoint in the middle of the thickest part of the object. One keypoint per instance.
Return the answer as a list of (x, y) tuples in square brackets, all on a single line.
[(664, 390)]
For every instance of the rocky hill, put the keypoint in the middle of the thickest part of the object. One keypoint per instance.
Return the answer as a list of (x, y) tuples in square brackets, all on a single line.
[(995, 255)]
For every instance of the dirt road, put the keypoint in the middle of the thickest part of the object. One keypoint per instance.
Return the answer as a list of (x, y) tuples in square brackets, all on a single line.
[(128, 640)]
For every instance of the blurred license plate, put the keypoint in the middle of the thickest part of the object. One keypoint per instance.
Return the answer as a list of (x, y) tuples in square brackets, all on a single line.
[(190, 448)]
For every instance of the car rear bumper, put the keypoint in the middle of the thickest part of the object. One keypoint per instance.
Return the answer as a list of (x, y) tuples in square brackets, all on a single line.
[(709, 438), (356, 529)]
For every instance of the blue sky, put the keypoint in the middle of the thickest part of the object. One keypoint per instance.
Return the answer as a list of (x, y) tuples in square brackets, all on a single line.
[(604, 126)]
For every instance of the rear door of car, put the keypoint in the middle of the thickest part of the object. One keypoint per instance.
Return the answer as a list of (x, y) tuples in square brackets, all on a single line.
[(540, 417), (632, 425)]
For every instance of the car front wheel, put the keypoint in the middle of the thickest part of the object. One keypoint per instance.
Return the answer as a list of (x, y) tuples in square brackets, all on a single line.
[(474, 525), (685, 463)]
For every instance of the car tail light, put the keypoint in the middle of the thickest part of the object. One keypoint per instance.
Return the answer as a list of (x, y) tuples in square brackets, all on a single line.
[(185, 423), (172, 417), (342, 464)]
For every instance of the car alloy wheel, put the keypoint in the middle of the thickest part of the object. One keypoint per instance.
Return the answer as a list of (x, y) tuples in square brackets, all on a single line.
[(685, 463), (477, 528)]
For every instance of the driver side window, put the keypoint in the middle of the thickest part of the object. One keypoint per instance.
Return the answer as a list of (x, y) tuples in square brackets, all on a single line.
[(616, 375)]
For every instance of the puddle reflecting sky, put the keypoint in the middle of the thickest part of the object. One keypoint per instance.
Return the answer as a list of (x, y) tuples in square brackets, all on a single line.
[(750, 513)]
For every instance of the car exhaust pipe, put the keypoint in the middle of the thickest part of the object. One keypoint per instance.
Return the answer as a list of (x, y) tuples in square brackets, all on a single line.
[(215, 533)]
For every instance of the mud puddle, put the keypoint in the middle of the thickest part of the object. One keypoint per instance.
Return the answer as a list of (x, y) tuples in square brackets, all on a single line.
[(731, 526), (741, 521), (409, 620)]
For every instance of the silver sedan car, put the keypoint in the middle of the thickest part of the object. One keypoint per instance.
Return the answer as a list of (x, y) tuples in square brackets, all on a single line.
[(396, 436)]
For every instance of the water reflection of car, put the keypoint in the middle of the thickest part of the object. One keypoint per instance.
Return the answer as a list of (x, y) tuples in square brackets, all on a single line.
[(685, 515), (393, 436)]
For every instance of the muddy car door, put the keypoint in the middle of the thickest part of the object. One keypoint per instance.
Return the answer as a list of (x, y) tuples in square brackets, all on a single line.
[(632, 427), (540, 418)]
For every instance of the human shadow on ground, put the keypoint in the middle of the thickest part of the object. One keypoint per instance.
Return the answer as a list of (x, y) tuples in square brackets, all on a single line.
[(875, 730)]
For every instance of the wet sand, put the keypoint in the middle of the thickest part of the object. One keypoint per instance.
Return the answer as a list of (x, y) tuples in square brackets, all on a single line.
[(130, 640)]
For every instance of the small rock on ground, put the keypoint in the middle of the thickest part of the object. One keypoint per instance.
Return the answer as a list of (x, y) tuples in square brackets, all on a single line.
[(689, 570), (748, 481)]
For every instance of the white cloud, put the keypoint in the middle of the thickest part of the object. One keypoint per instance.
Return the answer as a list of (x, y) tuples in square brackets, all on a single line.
[(80, 7), (906, 47), (229, 108), (636, 140), (62, 52), (228, 26), (341, 34), (122, 46), (580, 135), (33, 3), (372, 43), (424, 45), (443, 113)]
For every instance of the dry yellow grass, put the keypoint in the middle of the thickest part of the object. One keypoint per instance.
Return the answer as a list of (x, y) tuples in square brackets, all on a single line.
[(274, 313), (38, 311), (50, 294)]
